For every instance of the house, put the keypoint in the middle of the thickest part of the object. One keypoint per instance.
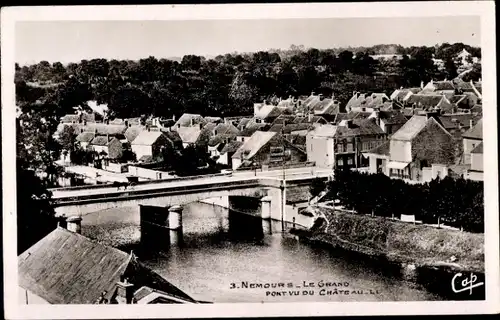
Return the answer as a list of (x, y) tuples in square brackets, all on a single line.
[(251, 128), (108, 145), (267, 113), (67, 268), (320, 106), (196, 135), (421, 150), (266, 149), (439, 87), (365, 102), (389, 121), (84, 139), (227, 152), (428, 102), (471, 139), (458, 123), (476, 163), (217, 143), (340, 146), (190, 120), (150, 144), (400, 95)]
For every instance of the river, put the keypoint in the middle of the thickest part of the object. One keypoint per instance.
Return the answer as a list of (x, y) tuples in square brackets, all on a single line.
[(218, 263)]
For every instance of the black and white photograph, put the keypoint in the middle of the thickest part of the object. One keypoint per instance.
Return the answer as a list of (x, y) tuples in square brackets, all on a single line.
[(272, 157)]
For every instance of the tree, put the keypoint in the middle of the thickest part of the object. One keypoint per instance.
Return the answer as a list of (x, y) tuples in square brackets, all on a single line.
[(35, 215), (316, 187), (450, 69)]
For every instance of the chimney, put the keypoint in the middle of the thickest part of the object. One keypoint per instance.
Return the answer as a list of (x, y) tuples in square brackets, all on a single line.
[(173, 117), (312, 93), (358, 94), (354, 93), (321, 97), (421, 84), (215, 132), (74, 224), (401, 88), (376, 110), (192, 121), (437, 110), (178, 125), (348, 123), (124, 291), (309, 117), (471, 123)]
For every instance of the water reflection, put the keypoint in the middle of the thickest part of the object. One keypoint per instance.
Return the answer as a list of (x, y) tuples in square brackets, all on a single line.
[(222, 251)]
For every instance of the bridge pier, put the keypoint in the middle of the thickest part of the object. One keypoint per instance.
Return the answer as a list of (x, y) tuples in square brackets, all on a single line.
[(266, 215), (175, 225)]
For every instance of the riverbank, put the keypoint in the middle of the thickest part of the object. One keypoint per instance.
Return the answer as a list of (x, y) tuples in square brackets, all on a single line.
[(402, 242)]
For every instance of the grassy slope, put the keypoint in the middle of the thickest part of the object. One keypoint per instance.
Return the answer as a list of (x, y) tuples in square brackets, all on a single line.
[(404, 242)]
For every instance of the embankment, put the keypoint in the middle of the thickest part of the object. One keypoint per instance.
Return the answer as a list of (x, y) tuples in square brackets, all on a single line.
[(424, 254)]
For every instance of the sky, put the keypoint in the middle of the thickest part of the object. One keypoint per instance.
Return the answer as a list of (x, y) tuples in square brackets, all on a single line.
[(72, 41)]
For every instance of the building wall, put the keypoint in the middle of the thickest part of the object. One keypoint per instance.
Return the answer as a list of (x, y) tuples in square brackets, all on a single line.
[(400, 150), (476, 161), (265, 157), (236, 163), (426, 174), (223, 158), (320, 151), (439, 171), (469, 144), (373, 164), (434, 145), (28, 297), (476, 176), (141, 150)]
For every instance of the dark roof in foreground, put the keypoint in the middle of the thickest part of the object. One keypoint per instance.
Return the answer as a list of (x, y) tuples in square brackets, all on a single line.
[(68, 268)]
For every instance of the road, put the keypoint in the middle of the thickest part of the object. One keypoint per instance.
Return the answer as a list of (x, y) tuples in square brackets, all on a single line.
[(180, 182)]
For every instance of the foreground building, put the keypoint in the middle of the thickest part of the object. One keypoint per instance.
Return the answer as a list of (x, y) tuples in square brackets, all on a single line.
[(68, 268)]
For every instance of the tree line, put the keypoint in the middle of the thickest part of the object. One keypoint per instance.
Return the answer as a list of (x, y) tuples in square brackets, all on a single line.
[(227, 84), (454, 202)]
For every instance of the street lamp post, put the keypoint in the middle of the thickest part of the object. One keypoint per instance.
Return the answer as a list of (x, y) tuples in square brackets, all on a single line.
[(283, 185)]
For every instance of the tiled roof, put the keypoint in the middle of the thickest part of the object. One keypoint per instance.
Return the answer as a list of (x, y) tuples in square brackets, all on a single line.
[(424, 100), (242, 123), (101, 141), (70, 118), (382, 149), (147, 138), (68, 268), (102, 128), (226, 128), (267, 111), (478, 148), (411, 128), (85, 137), (453, 120), (360, 127), (220, 138), (232, 146), (254, 144), (476, 131), (326, 130), (443, 85), (132, 132), (189, 134), (213, 119), (189, 119), (393, 117), (251, 129), (284, 118)]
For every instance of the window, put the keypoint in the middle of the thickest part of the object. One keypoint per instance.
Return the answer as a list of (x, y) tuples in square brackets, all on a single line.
[(349, 161), (340, 162), (349, 147)]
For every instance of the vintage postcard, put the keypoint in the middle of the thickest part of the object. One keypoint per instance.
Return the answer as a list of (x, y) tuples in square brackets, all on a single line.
[(250, 160)]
